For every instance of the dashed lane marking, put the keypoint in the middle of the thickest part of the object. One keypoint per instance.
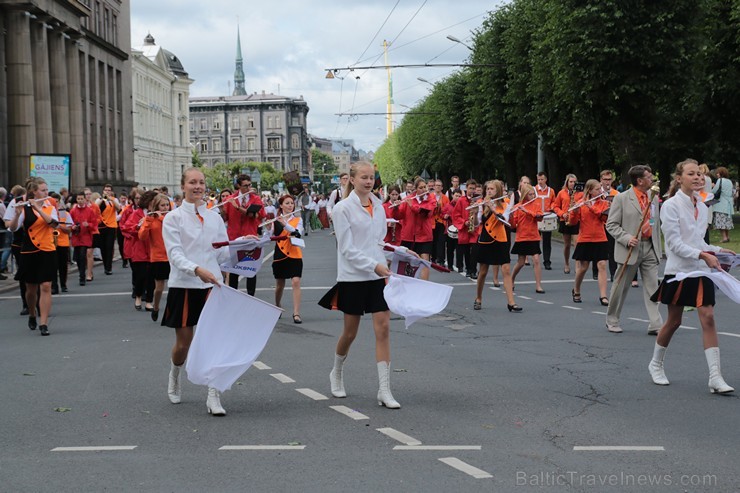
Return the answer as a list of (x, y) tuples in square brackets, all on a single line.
[(728, 334), (313, 394), (261, 366), (399, 437), (102, 448), (638, 320), (571, 307), (282, 378), (523, 297), (262, 447), (598, 313), (619, 448), (461, 466), (350, 413), (436, 447), (545, 302)]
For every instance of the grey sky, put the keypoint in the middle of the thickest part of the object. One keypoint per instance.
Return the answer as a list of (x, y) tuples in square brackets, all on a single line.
[(287, 44)]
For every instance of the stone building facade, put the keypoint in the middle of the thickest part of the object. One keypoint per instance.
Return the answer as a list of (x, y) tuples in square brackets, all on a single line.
[(161, 89), (66, 88)]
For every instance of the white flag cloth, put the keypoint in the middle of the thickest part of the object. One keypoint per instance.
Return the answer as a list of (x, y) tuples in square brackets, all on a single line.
[(415, 299), (245, 256), (404, 263), (728, 260), (724, 281), (226, 341)]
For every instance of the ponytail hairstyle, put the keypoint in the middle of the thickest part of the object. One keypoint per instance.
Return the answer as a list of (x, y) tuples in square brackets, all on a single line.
[(568, 177), (590, 185), (282, 199), (353, 172), (392, 188)]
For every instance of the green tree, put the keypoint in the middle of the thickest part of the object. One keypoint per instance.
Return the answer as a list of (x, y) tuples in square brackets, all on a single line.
[(195, 158)]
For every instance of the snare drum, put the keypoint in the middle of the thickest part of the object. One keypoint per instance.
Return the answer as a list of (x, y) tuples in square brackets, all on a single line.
[(452, 231), (549, 223)]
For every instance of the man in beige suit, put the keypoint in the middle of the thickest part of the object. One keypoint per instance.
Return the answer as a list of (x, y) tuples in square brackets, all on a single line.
[(625, 216)]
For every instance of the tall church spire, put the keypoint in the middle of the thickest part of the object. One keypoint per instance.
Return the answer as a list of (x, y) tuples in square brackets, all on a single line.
[(239, 71)]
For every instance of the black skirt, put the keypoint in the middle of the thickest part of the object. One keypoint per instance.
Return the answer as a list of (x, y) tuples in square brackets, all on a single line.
[(356, 298), (526, 248), (567, 230), (287, 268), (591, 251), (184, 306), (496, 253), (419, 247), (692, 291), (160, 271), (37, 267)]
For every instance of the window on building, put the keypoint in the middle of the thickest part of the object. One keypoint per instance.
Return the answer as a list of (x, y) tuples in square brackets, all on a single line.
[(203, 124), (295, 162), (115, 30), (179, 101), (273, 144), (277, 122), (250, 122), (216, 125), (181, 136), (98, 19), (295, 121), (250, 144), (235, 123), (203, 144), (236, 144), (106, 24), (269, 122), (192, 125), (216, 145), (295, 141)]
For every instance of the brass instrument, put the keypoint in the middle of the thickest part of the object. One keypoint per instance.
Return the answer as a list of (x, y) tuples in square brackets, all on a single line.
[(212, 196), (393, 232), (572, 193), (471, 220)]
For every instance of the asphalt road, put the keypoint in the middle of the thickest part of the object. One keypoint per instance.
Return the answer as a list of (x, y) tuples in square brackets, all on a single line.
[(492, 400)]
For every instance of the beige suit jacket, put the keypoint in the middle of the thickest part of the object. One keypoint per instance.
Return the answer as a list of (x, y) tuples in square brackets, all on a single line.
[(624, 219)]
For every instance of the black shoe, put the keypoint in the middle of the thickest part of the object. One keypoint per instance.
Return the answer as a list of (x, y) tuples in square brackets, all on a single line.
[(64, 289), (474, 276), (125, 264), (155, 315), (596, 277), (3, 277), (108, 272), (24, 311), (82, 282), (32, 323), (55, 290), (514, 308), (44, 330), (548, 267)]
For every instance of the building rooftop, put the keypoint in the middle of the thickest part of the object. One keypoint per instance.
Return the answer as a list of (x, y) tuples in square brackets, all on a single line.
[(151, 51), (253, 97)]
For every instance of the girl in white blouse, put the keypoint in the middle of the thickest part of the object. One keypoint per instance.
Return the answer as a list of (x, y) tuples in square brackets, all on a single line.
[(684, 219), (359, 222)]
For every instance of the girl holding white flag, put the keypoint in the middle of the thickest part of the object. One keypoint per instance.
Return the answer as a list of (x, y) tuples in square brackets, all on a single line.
[(188, 233), (288, 260), (684, 219), (360, 225)]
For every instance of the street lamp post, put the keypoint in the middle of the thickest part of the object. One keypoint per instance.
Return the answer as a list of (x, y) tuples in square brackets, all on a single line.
[(455, 40)]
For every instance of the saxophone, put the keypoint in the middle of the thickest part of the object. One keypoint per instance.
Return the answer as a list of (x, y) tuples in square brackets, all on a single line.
[(393, 232), (572, 193), (471, 220)]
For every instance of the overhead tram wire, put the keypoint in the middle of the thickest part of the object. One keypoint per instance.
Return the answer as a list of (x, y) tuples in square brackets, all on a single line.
[(359, 59)]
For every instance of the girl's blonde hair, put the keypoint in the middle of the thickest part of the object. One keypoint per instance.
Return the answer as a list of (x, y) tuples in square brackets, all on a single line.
[(353, 172), (157, 200), (590, 185)]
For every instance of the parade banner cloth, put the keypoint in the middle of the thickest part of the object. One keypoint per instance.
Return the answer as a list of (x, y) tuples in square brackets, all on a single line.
[(415, 299), (724, 281), (404, 263), (245, 256), (227, 342), (728, 260)]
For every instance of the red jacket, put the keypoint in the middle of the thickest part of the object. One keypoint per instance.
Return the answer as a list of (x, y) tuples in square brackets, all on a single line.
[(151, 234), (83, 235), (133, 248), (592, 220), (418, 219), (459, 217), (240, 224), (563, 200), (392, 213), (525, 219)]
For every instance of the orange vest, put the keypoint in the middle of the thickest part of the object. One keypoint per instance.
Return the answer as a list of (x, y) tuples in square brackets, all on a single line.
[(108, 215), (41, 234), (284, 248), (62, 238)]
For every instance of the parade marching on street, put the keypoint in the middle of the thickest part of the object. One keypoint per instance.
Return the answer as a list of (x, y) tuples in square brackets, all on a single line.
[(492, 399)]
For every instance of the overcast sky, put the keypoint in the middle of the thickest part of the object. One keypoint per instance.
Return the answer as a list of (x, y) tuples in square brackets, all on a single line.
[(288, 44)]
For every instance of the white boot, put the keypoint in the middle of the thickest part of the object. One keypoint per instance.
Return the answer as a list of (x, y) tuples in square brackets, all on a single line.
[(385, 398), (173, 386), (335, 377), (656, 366), (213, 403), (717, 384)]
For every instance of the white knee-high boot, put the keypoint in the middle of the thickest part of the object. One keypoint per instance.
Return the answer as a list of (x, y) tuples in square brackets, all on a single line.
[(717, 384), (336, 378), (657, 372), (385, 398), (174, 386), (213, 403)]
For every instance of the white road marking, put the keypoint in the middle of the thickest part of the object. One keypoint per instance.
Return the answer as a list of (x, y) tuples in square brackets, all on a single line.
[(351, 413), (598, 313), (102, 448), (282, 378), (437, 447), (728, 334), (524, 297), (571, 307), (261, 366), (688, 328), (262, 447), (619, 448), (399, 437), (465, 467), (313, 394), (638, 320), (545, 302)]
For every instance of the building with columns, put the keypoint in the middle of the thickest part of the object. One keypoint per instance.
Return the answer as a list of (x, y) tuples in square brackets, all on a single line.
[(245, 127), (161, 89), (66, 88)]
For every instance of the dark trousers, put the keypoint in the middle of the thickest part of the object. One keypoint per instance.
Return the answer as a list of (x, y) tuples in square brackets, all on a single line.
[(62, 261), (612, 262), (81, 260), (17, 256), (107, 243), (474, 258), (451, 247), (143, 282), (438, 242), (546, 246), (119, 240), (463, 254), (251, 283)]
